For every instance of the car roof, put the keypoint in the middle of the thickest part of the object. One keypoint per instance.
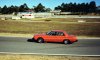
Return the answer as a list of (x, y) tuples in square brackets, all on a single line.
[(58, 30)]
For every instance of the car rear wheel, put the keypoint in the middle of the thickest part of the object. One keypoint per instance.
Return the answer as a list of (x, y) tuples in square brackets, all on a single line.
[(40, 40), (66, 42)]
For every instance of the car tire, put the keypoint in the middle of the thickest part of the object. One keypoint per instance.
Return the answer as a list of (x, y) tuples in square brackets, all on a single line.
[(66, 42), (40, 40), (76, 41)]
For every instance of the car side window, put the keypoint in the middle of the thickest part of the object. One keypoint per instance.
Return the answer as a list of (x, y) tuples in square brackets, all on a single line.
[(60, 34), (51, 33), (54, 33)]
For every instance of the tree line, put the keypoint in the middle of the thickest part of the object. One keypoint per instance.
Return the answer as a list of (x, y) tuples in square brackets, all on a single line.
[(80, 7), (64, 7), (23, 8), (11, 9)]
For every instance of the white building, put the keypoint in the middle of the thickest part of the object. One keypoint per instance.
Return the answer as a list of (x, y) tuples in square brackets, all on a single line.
[(42, 15), (26, 14)]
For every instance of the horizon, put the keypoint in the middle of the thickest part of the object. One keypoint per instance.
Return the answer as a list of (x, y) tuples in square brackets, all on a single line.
[(47, 3)]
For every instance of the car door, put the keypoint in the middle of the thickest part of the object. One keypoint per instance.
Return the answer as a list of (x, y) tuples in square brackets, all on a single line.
[(60, 37), (51, 37)]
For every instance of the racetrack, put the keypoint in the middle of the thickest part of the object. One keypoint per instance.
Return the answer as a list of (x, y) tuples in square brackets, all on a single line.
[(21, 45)]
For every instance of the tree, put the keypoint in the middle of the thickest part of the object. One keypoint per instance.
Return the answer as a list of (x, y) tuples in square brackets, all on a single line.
[(0, 9), (87, 7), (39, 8), (23, 8), (64, 7), (4, 10), (48, 9), (74, 7), (92, 6), (80, 7), (58, 8), (11, 9), (16, 8)]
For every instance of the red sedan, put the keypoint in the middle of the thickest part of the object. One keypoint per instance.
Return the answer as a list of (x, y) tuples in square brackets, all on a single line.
[(55, 36)]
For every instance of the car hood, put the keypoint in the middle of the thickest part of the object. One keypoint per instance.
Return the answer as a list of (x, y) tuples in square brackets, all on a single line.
[(73, 36)]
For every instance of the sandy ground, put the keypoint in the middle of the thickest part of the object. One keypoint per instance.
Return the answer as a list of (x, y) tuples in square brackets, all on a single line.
[(42, 57)]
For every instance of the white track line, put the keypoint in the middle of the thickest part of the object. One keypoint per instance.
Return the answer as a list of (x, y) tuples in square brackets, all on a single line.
[(50, 54), (88, 38)]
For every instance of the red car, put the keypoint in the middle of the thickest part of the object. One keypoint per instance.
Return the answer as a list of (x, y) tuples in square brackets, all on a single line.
[(55, 36)]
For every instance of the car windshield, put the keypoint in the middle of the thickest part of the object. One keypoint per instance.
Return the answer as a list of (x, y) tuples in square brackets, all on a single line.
[(47, 33)]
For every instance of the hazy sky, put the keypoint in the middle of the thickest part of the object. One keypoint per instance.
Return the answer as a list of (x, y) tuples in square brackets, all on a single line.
[(47, 3)]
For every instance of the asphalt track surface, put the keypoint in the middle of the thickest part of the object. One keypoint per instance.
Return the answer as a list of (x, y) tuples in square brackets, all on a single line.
[(21, 45)]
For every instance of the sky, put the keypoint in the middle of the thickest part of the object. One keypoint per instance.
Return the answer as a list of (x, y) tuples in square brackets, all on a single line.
[(47, 3)]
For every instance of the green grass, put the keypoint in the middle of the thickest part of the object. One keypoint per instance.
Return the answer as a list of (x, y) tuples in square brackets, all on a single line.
[(88, 29)]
